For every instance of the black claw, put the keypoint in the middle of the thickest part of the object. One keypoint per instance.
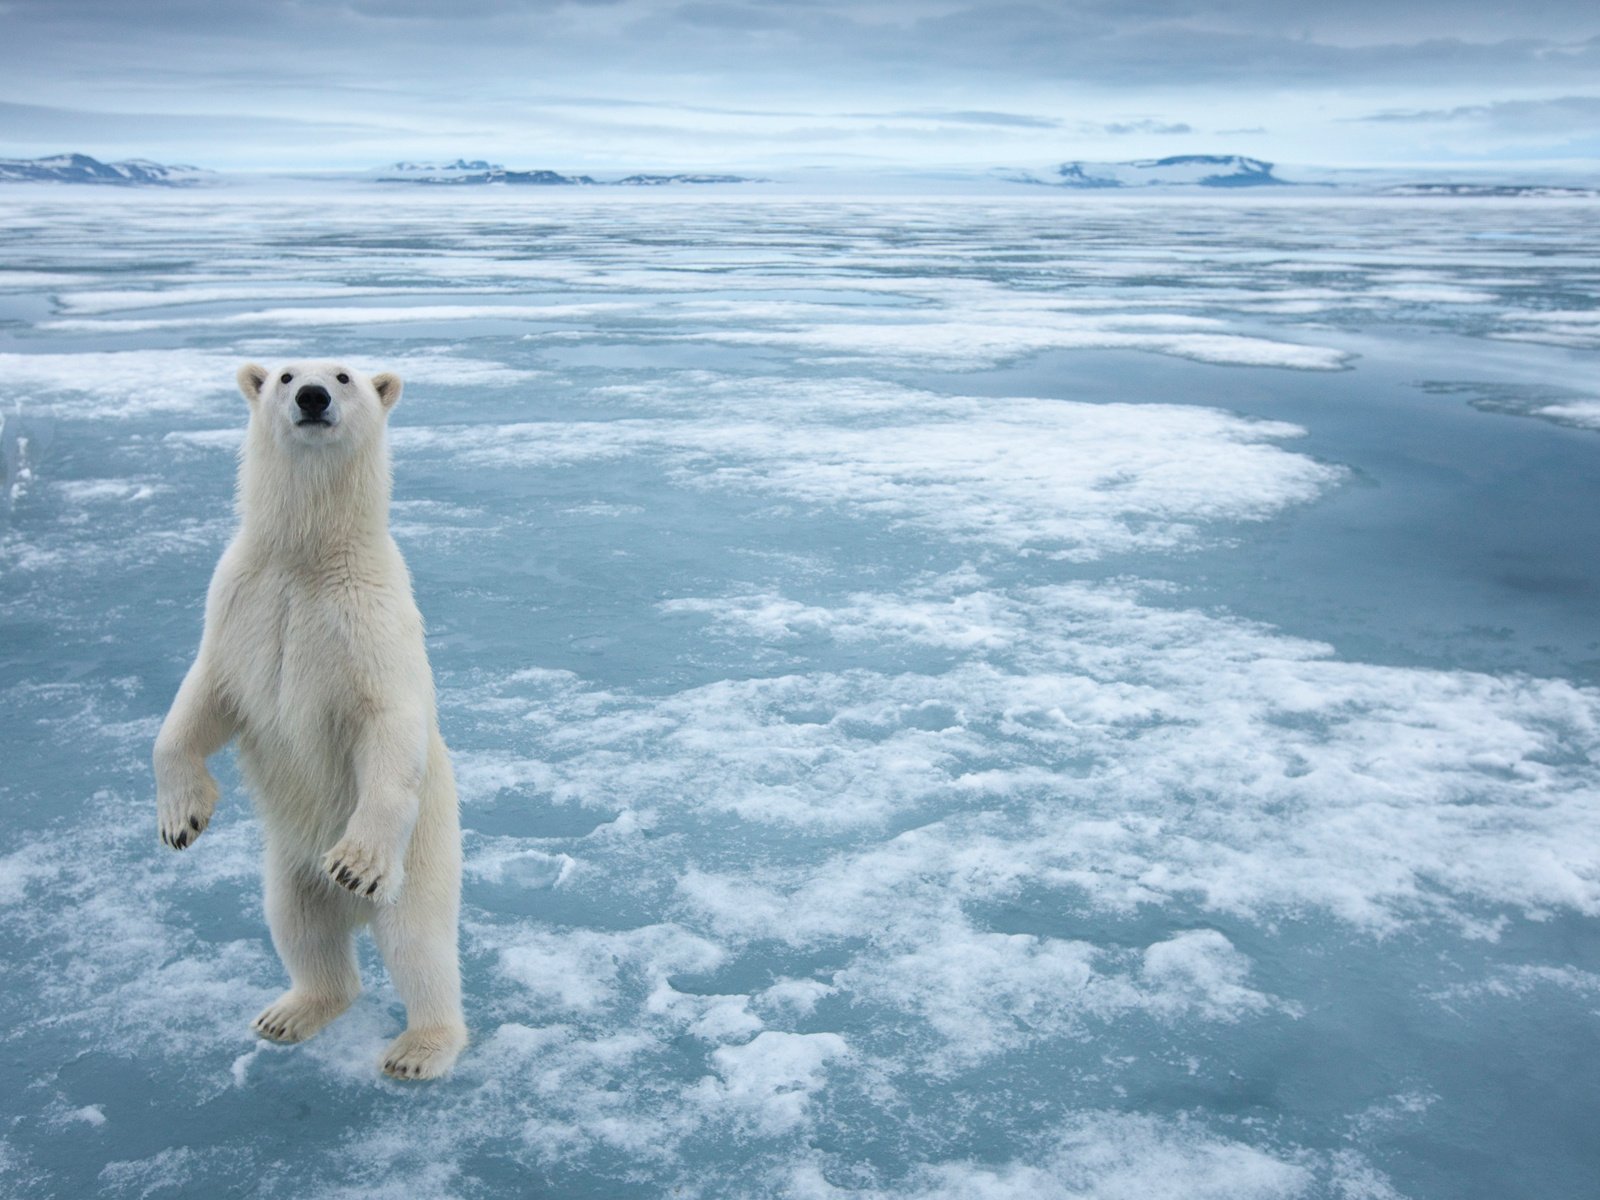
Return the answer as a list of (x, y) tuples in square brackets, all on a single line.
[(373, 888), (194, 824), (344, 876), (181, 840)]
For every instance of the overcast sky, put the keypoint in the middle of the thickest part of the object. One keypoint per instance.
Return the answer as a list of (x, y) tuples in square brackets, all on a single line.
[(780, 84)]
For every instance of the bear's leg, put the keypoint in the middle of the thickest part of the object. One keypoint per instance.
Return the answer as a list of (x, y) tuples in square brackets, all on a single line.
[(197, 726), (417, 936), (313, 928)]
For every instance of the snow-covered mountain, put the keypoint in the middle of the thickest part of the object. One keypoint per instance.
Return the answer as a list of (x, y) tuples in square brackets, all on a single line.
[(544, 178), (80, 168), (460, 171), (1519, 191), (475, 171), (663, 180), (1180, 170)]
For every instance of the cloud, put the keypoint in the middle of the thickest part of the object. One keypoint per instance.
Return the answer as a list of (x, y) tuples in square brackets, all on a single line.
[(1146, 126), (45, 123), (1566, 115), (963, 117), (819, 45), (742, 73)]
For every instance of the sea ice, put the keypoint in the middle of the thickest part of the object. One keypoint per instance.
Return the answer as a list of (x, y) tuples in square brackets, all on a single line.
[(886, 769)]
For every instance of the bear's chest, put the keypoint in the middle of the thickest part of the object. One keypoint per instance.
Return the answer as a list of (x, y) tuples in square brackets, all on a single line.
[(295, 653)]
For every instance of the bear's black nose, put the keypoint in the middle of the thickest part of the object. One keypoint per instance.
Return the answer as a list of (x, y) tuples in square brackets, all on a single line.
[(312, 399)]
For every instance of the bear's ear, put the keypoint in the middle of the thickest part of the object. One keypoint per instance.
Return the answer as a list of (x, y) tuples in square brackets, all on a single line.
[(251, 380), (388, 387)]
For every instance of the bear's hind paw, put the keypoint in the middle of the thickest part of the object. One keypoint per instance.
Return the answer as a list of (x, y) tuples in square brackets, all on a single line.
[(426, 1052), (294, 1018)]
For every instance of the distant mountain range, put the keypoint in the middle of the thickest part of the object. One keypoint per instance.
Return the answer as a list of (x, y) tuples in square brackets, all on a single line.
[(1237, 171), (658, 180), (470, 172), (1180, 173), (1517, 190), (477, 172), (1180, 170), (141, 172), (80, 168)]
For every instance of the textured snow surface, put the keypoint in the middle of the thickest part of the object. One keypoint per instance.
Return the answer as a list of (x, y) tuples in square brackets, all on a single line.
[(1037, 699)]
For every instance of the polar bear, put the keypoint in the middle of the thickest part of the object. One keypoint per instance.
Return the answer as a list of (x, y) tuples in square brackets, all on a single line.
[(312, 656)]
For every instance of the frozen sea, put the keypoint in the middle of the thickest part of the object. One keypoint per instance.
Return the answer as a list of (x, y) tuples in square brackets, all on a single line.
[(993, 697)]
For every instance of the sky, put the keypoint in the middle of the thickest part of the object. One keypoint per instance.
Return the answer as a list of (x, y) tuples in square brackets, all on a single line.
[(790, 85)]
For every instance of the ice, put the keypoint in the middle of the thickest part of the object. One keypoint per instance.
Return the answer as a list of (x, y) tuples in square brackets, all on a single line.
[(977, 337), (1054, 696), (1112, 1156), (769, 1081), (1081, 479), (129, 384), (322, 317), (1585, 413)]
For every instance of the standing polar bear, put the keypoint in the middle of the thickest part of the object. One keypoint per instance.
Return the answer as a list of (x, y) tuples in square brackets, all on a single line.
[(313, 656)]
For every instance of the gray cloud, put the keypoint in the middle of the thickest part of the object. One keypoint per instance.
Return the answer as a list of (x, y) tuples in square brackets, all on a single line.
[(1571, 116), (1171, 43), (1146, 126), (44, 123), (781, 68), (941, 115), (963, 117)]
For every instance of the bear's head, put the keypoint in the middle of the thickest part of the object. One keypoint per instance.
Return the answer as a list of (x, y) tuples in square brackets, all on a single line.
[(319, 404)]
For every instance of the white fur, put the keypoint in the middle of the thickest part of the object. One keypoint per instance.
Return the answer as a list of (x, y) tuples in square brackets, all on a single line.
[(313, 657)]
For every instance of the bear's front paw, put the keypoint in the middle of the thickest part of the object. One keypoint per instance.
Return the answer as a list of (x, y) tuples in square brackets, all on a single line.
[(366, 870), (184, 810)]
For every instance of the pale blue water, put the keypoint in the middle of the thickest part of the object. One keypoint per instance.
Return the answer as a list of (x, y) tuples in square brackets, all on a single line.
[(975, 698)]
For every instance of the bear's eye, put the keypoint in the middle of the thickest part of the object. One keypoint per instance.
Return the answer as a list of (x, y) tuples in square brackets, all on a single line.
[(286, 377), (344, 378)]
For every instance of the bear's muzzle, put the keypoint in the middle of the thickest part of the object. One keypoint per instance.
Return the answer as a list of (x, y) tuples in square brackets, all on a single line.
[(313, 401)]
